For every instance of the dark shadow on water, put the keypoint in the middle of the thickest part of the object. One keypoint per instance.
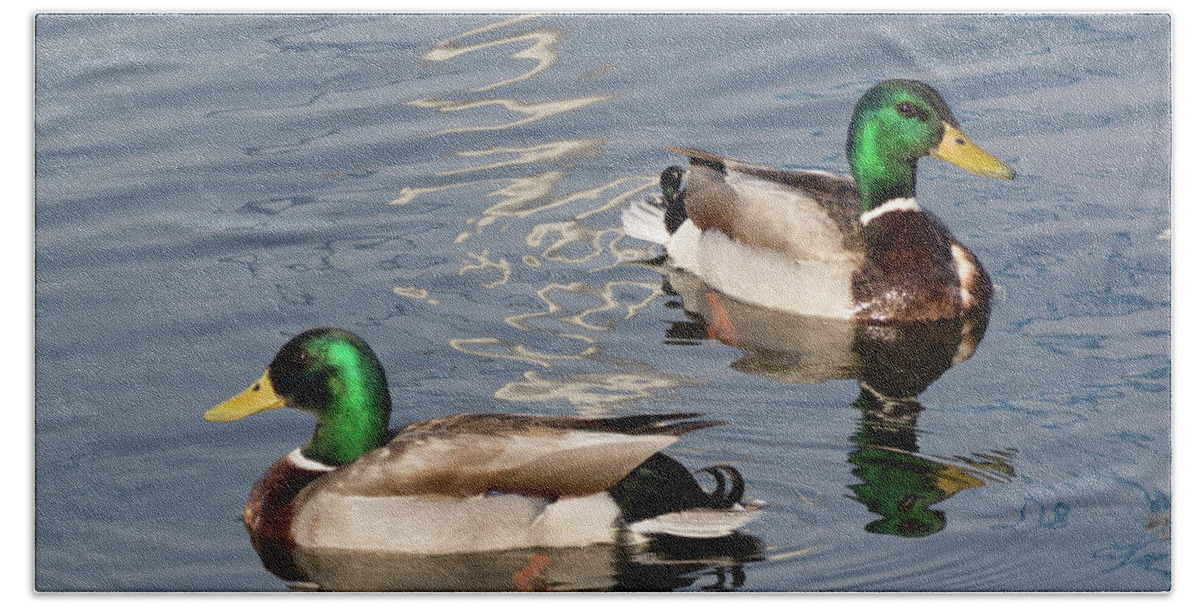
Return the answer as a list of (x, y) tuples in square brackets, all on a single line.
[(663, 564), (893, 364)]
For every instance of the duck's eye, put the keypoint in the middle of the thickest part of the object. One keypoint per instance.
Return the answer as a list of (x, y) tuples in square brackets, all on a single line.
[(907, 109)]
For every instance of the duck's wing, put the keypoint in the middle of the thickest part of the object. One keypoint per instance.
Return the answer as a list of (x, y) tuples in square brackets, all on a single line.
[(805, 215), (543, 456)]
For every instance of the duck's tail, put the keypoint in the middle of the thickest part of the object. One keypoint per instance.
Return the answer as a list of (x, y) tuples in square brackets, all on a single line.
[(656, 218), (647, 220), (700, 522), (661, 497)]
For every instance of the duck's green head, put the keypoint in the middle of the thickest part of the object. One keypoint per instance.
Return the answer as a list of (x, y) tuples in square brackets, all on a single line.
[(897, 122), (333, 375)]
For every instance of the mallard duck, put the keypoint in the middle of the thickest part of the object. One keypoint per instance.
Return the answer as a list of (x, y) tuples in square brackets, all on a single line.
[(816, 243), (466, 482)]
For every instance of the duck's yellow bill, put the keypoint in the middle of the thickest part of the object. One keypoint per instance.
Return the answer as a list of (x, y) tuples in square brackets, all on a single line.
[(261, 396), (958, 150)]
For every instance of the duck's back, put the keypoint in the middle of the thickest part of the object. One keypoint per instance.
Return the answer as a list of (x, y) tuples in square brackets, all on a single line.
[(787, 240), (803, 215)]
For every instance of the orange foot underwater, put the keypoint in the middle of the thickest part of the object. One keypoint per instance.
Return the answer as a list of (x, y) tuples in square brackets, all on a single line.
[(530, 577), (720, 327)]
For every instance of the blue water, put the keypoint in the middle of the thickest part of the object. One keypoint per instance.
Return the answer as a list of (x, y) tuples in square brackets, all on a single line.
[(449, 187)]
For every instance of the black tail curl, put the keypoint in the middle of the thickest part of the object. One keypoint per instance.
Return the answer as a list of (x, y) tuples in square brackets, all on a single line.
[(721, 473), (662, 485)]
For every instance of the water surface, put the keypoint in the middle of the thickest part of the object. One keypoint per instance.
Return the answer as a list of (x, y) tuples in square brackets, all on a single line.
[(449, 187)]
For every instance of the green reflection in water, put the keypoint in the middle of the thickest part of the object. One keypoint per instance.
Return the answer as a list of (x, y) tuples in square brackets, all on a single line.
[(893, 365)]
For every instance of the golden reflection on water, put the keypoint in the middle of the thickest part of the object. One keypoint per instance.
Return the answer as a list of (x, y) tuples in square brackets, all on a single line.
[(518, 192), (525, 197), (573, 231), (522, 196), (543, 47), (531, 112), (555, 151), (483, 262), (592, 393), (496, 348), (417, 293), (604, 294), (573, 312)]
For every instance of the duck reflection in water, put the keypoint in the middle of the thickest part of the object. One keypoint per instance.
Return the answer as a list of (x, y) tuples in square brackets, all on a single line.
[(664, 564), (893, 364)]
